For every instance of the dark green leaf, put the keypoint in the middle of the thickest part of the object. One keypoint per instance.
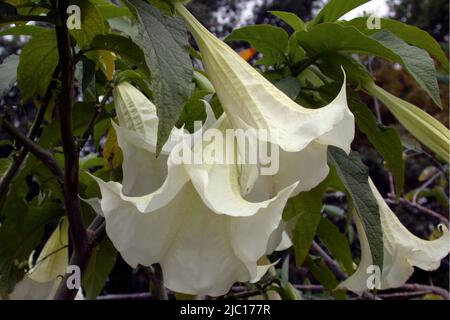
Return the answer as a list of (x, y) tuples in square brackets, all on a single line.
[(38, 61), (383, 44), (308, 206), (23, 30), (386, 140), (164, 40), (335, 9), (270, 41), (354, 175), (337, 244), (291, 19), (417, 61), (91, 23), (411, 34), (122, 46), (100, 266), (19, 241), (290, 86)]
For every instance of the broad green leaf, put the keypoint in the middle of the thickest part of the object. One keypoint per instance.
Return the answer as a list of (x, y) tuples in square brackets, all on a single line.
[(294, 21), (384, 44), (385, 140), (270, 41), (19, 241), (109, 10), (8, 73), (354, 175), (411, 34), (164, 40), (417, 61), (337, 244), (4, 165), (123, 47), (290, 86), (428, 130), (38, 61), (335, 9), (324, 275), (24, 30), (308, 207), (91, 23), (100, 266), (194, 110)]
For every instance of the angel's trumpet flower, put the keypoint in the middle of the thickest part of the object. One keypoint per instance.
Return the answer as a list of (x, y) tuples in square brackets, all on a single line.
[(402, 252), (190, 218), (251, 101)]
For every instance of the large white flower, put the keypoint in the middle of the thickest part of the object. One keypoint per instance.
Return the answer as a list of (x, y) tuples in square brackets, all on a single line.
[(251, 101), (402, 251), (193, 221)]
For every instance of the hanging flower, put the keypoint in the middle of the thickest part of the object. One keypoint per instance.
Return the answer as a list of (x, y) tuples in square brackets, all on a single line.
[(402, 252), (44, 276), (251, 101), (195, 223)]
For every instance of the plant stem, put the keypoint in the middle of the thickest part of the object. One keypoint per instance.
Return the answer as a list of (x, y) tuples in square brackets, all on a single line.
[(43, 155), (81, 253)]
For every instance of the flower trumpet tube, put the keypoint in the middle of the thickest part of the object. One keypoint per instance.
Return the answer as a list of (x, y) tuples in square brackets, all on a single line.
[(193, 221), (251, 101), (402, 252)]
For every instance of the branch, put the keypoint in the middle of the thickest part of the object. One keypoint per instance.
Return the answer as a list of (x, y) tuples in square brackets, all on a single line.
[(98, 110), (81, 253), (421, 287), (421, 208), (45, 156), (27, 18), (332, 264), (19, 158)]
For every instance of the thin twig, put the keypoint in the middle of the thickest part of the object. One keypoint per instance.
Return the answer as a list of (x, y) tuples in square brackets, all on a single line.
[(43, 155), (27, 18), (331, 263), (422, 287), (99, 108), (425, 185), (421, 208), (21, 155)]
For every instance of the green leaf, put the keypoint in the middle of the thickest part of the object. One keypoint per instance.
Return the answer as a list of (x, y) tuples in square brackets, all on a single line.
[(23, 30), (91, 23), (335, 9), (4, 165), (385, 140), (291, 19), (100, 266), (38, 61), (337, 244), (324, 275), (417, 61), (164, 40), (8, 73), (354, 175), (19, 241), (411, 34), (122, 46), (308, 207), (270, 41), (290, 86), (383, 44)]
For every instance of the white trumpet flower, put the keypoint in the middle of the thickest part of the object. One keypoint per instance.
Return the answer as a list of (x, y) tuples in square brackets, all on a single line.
[(402, 251), (43, 278), (251, 101), (193, 221)]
